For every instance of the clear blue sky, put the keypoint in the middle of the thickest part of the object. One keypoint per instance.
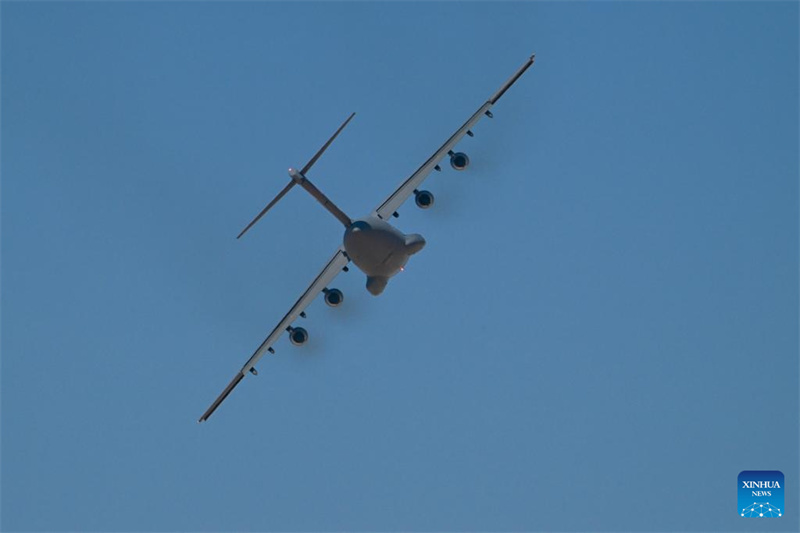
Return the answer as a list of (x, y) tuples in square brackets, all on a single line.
[(601, 333)]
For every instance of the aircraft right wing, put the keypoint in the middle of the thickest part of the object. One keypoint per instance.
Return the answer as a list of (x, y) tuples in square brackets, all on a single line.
[(330, 271), (396, 199)]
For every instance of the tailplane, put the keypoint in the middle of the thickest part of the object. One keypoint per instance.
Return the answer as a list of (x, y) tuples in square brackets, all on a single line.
[(298, 177)]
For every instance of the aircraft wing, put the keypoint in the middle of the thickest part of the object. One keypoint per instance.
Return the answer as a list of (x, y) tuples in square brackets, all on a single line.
[(396, 199), (334, 266)]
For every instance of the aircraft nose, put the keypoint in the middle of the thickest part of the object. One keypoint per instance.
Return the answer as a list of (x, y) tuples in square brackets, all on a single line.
[(359, 225)]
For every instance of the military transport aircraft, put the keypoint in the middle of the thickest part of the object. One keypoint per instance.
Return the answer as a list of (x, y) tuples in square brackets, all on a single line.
[(376, 247)]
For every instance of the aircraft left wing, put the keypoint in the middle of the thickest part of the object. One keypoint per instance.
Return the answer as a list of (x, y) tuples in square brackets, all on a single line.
[(334, 266), (396, 199)]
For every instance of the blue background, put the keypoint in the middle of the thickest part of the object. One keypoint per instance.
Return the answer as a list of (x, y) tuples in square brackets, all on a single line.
[(600, 334)]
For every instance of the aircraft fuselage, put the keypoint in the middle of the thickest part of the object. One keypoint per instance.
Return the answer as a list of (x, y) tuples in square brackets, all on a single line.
[(379, 249)]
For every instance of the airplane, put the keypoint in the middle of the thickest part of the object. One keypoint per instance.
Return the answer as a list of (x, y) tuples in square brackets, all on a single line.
[(376, 247)]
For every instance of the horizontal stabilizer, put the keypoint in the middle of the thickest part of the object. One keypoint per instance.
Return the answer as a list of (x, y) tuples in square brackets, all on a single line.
[(325, 146), (292, 183), (269, 206)]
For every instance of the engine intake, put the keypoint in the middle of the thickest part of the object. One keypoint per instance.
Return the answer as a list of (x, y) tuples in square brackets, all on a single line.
[(423, 199), (459, 160), (333, 297), (298, 336)]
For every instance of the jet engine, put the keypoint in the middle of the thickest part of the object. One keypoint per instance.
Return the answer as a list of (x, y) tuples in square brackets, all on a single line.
[(459, 160), (423, 199), (333, 297), (298, 336)]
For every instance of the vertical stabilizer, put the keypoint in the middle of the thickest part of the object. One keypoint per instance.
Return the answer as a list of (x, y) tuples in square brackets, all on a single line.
[(298, 177)]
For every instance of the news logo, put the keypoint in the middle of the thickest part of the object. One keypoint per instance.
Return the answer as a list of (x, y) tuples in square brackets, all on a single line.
[(760, 494)]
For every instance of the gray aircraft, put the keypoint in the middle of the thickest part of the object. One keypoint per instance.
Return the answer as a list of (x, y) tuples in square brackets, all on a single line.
[(376, 247)]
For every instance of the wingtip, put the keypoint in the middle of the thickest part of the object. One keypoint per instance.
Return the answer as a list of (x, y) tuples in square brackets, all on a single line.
[(235, 381)]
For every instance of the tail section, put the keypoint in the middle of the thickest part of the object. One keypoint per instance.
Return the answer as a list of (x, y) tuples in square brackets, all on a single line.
[(298, 177), (269, 206)]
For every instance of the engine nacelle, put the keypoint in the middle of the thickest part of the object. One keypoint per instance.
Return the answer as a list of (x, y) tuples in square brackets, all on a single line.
[(423, 199), (459, 161), (298, 336), (333, 297)]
